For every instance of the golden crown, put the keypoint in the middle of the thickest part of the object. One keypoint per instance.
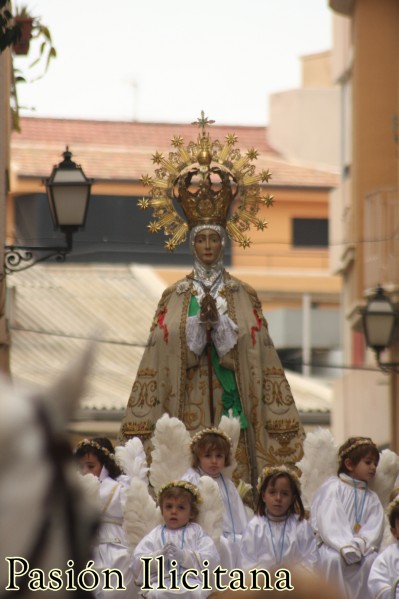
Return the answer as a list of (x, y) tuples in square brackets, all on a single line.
[(392, 505), (182, 484), (360, 441), (95, 445), (210, 431), (294, 472), (204, 178)]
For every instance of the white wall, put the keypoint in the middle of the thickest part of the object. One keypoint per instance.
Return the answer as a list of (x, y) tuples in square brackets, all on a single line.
[(361, 407), (305, 125)]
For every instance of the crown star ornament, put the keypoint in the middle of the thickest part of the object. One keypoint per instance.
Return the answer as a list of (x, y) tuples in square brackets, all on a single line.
[(204, 178)]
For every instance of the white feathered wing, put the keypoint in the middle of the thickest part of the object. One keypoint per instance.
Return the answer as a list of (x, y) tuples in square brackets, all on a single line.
[(211, 510), (171, 456), (385, 477), (141, 513), (383, 484), (231, 426), (319, 462), (131, 458)]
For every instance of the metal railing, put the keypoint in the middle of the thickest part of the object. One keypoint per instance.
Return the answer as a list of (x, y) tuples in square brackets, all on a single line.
[(381, 238)]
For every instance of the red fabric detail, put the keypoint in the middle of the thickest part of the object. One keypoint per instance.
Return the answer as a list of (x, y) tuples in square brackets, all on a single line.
[(257, 328), (163, 326)]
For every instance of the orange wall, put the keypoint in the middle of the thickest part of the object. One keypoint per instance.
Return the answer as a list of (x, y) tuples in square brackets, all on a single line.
[(375, 102), (272, 248)]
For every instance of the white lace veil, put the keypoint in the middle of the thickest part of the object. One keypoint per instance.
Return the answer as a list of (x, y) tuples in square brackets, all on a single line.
[(224, 332)]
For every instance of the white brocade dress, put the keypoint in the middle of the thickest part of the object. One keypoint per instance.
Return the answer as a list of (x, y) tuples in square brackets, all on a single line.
[(268, 543), (235, 517), (197, 546), (384, 572), (111, 549), (333, 517)]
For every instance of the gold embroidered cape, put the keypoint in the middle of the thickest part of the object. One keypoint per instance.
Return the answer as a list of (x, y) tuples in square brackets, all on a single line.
[(171, 378)]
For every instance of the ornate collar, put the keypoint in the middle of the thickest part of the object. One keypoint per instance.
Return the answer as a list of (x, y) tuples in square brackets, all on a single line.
[(276, 518), (349, 480)]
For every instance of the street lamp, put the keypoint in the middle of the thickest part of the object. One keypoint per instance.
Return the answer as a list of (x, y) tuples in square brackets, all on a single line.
[(68, 192), (379, 320)]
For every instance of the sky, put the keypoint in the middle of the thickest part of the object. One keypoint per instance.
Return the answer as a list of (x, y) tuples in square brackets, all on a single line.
[(167, 60)]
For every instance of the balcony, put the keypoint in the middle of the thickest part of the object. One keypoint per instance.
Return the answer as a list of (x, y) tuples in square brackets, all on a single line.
[(381, 237)]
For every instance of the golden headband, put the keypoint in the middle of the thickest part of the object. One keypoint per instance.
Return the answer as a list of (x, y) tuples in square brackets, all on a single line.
[(392, 505), (182, 484), (204, 178), (95, 445), (361, 441), (210, 431), (269, 471)]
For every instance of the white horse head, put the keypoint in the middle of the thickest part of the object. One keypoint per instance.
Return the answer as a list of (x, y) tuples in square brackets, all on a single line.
[(46, 520)]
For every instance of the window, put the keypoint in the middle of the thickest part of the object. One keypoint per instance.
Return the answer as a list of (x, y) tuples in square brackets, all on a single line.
[(116, 231), (310, 232)]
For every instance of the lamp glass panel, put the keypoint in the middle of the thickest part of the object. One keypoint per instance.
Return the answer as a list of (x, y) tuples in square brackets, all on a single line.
[(379, 320), (68, 175), (70, 204)]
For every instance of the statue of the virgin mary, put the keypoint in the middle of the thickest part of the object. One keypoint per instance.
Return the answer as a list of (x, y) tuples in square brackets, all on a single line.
[(209, 351)]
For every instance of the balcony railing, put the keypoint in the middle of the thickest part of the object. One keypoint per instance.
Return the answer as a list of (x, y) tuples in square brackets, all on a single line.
[(381, 238)]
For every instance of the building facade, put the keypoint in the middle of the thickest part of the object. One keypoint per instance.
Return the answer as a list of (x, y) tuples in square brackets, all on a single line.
[(364, 209)]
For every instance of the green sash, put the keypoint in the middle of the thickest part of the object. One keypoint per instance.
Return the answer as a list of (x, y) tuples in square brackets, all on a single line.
[(230, 396)]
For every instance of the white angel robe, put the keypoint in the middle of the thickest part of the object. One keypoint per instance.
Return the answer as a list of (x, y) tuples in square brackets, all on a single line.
[(278, 542), (333, 517), (197, 546), (384, 572), (235, 517), (111, 549)]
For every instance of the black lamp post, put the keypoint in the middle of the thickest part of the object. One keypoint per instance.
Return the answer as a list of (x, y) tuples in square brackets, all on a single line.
[(379, 320), (68, 191)]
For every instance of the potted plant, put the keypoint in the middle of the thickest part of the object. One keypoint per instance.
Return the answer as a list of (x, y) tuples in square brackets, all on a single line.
[(32, 28), (23, 22), (12, 31)]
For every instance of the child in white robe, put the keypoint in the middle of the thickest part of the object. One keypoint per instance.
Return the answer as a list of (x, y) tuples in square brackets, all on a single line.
[(348, 518), (385, 569), (278, 535), (211, 453), (166, 560), (111, 550)]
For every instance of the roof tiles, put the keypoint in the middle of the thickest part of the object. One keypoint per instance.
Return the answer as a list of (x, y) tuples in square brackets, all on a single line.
[(114, 150), (58, 309)]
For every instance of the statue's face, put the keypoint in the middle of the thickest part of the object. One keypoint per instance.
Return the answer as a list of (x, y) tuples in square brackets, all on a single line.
[(207, 245)]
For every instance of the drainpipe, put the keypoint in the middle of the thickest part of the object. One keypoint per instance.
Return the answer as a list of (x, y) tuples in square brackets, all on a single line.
[(306, 334)]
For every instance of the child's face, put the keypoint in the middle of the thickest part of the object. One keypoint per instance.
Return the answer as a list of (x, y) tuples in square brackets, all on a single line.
[(278, 497), (90, 463), (364, 470), (212, 462), (176, 511), (395, 530)]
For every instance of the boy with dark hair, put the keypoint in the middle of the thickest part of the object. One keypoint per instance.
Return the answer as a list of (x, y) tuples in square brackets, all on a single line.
[(348, 518)]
